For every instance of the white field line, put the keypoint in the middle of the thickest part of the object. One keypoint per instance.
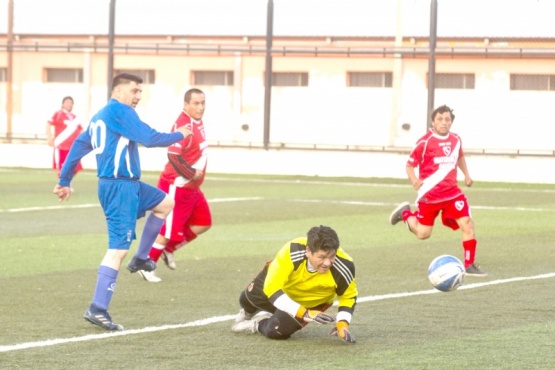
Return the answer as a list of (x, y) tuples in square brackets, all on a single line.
[(462, 287), (381, 204), (49, 208), (303, 182), (221, 200), (217, 319), (150, 329)]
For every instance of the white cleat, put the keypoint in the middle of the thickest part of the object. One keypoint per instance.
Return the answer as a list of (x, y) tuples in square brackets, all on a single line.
[(251, 326), (149, 276), (169, 260), (242, 316)]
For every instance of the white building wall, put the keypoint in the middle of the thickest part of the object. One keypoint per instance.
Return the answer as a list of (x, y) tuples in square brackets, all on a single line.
[(306, 163), (326, 112)]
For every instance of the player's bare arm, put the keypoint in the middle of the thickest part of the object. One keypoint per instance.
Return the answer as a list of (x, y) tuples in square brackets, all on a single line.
[(198, 174), (461, 163), (415, 181), (49, 136)]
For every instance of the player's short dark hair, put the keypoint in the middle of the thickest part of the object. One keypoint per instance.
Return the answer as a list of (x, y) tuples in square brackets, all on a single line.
[(443, 109), (67, 98), (190, 93), (322, 238), (125, 78)]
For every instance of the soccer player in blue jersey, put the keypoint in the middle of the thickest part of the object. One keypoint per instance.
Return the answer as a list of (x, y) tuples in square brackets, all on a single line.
[(113, 135)]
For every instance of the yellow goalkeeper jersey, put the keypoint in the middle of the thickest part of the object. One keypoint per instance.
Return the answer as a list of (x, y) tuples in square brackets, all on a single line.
[(288, 273)]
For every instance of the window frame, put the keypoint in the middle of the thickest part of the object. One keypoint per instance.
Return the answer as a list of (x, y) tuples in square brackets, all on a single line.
[(53, 78), (212, 77), (468, 81), (385, 78), (302, 79), (518, 79)]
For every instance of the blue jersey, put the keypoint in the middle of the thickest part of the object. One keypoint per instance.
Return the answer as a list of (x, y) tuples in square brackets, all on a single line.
[(113, 136)]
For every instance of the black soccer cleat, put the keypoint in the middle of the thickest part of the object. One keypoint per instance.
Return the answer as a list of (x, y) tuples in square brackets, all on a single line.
[(101, 318), (137, 264)]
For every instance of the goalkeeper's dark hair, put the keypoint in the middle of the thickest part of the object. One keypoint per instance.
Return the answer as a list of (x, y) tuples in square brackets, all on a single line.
[(443, 109), (125, 78), (322, 238)]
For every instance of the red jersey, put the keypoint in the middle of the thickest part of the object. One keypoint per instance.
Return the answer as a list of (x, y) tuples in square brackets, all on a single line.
[(66, 129), (437, 156), (192, 149)]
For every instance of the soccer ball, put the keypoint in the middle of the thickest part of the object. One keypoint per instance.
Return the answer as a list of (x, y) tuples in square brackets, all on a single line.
[(446, 273)]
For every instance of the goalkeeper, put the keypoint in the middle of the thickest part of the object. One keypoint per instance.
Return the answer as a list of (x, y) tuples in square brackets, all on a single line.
[(298, 286)]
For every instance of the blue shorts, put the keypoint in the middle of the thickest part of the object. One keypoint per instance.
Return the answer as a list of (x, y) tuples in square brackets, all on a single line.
[(123, 202)]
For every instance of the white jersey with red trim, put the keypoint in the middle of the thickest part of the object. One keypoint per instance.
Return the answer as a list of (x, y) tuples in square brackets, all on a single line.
[(436, 157)]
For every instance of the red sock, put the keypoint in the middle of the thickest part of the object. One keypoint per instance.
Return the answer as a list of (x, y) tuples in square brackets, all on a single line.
[(469, 251), (156, 252), (406, 214)]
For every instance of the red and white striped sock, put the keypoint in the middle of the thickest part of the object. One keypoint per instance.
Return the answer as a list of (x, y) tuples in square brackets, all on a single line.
[(156, 251)]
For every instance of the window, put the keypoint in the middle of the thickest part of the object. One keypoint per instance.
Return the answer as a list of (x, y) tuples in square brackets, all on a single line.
[(3, 74), (369, 79), (147, 75), (213, 78), (533, 82), (67, 75), (454, 81), (289, 79)]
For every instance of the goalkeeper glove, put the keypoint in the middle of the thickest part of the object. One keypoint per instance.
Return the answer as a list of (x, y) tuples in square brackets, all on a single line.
[(314, 316), (342, 331)]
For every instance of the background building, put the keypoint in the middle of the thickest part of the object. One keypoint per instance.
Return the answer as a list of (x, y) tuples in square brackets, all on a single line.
[(347, 74)]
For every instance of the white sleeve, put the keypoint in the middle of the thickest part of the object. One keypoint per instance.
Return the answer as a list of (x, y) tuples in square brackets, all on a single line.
[(286, 304)]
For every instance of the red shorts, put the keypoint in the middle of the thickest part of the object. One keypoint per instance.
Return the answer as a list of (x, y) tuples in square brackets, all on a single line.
[(59, 159), (191, 208), (451, 210)]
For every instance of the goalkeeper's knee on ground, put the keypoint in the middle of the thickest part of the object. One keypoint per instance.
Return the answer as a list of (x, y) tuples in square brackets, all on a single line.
[(274, 329)]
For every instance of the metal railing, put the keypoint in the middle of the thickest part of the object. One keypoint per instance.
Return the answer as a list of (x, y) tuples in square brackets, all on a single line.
[(316, 51)]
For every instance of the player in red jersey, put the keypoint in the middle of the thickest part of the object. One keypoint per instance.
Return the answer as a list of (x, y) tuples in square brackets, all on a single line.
[(66, 130), (438, 155), (181, 179)]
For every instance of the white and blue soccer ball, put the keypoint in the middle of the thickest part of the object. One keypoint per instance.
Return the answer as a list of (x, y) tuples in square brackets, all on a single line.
[(446, 273)]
